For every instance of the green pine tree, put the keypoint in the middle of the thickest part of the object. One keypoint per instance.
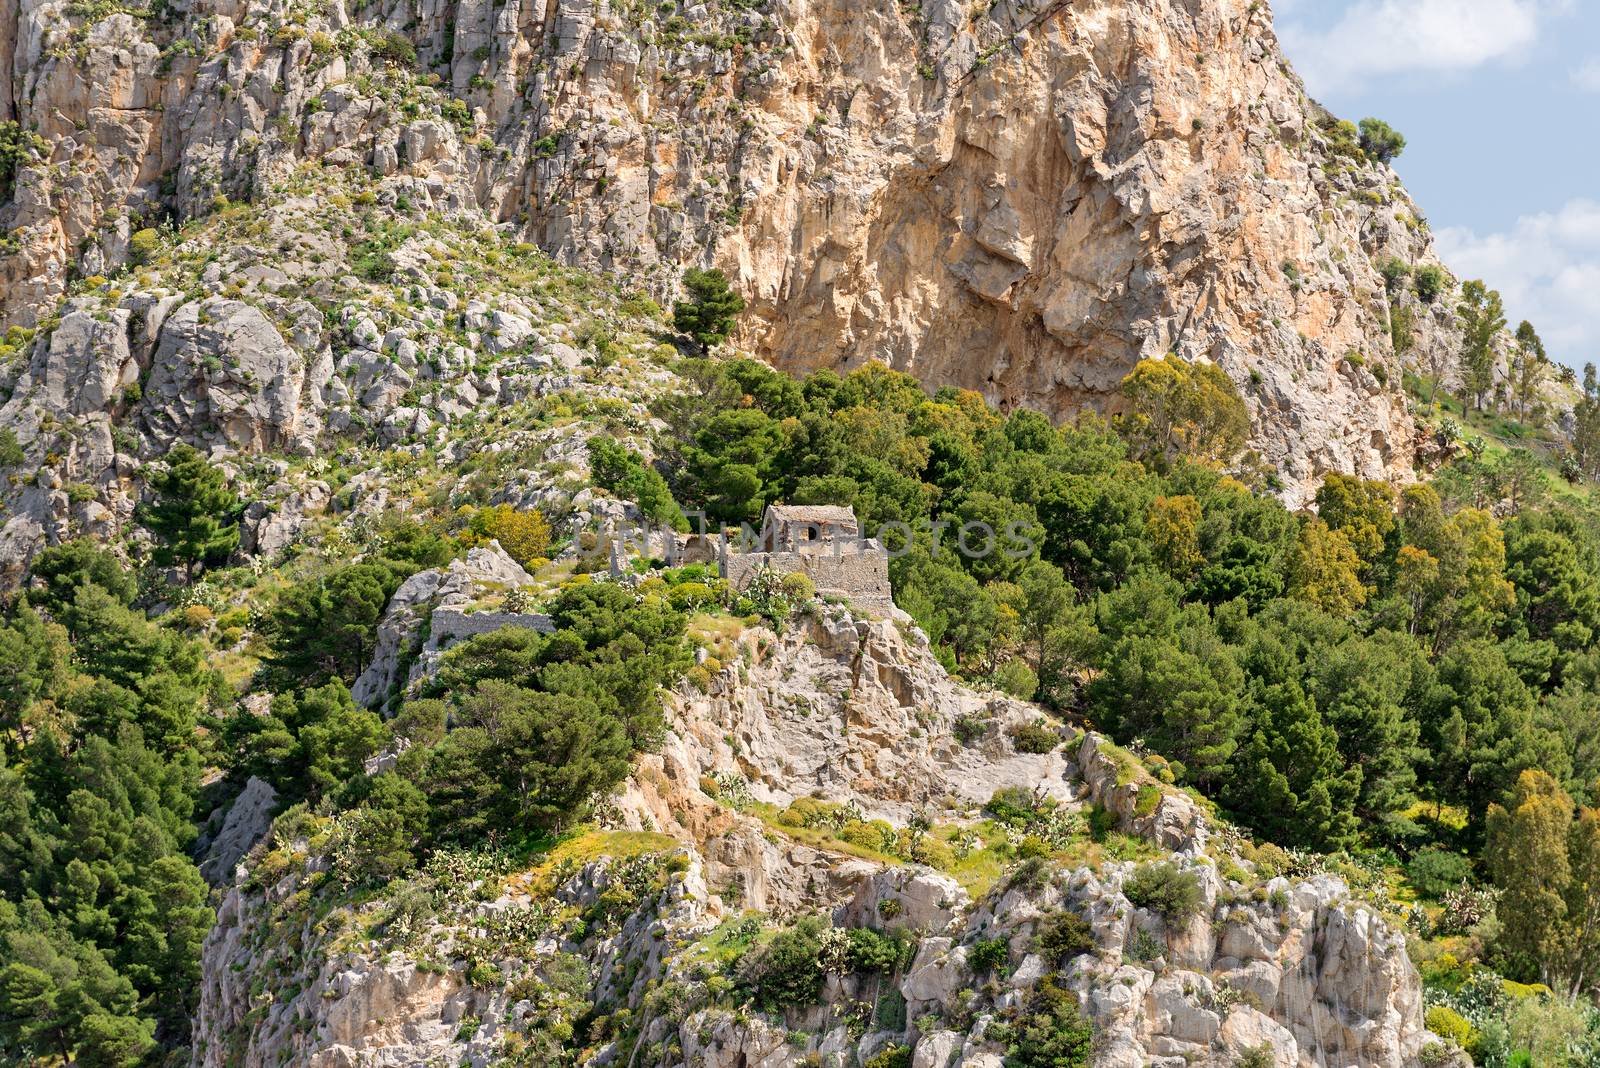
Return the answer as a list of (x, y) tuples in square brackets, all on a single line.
[(325, 626), (1381, 141), (622, 471), (709, 313), (1483, 316), (1292, 777), (195, 513)]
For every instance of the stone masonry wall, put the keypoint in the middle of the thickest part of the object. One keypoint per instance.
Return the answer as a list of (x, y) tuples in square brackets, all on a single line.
[(861, 576)]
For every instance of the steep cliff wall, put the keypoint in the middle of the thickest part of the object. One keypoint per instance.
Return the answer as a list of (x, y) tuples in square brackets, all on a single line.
[(1022, 199)]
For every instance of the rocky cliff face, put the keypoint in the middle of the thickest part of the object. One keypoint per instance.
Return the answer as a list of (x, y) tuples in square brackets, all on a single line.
[(465, 964), (1022, 198), (381, 213)]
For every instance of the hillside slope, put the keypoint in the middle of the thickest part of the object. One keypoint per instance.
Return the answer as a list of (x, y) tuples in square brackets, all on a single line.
[(1023, 201), (398, 274), (393, 370), (632, 934)]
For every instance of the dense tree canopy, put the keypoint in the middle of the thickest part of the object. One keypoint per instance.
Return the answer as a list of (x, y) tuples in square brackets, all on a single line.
[(324, 626), (101, 910), (1182, 408), (107, 718), (1316, 673), (1546, 857)]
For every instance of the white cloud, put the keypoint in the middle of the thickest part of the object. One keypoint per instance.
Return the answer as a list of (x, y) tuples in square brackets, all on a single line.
[(1379, 37), (1547, 267), (1587, 76)]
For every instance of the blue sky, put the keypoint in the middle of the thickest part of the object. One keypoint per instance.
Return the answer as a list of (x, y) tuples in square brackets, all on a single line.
[(1500, 101)]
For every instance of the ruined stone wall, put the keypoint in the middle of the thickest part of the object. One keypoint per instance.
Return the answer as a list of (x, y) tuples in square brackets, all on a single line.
[(860, 575), (452, 625)]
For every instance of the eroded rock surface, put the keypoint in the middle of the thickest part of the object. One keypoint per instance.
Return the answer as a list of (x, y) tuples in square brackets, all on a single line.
[(1298, 966), (1022, 198), (246, 821)]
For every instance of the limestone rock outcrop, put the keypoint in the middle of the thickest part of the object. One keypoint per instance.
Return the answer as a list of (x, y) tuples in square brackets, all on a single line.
[(247, 819), (854, 708), (221, 367), (1022, 197), (281, 368), (462, 963)]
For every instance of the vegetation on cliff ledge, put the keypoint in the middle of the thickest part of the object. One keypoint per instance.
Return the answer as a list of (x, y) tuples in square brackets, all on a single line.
[(1403, 677)]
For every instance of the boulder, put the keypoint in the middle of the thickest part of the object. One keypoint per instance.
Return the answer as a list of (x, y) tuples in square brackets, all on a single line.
[(915, 899), (222, 375)]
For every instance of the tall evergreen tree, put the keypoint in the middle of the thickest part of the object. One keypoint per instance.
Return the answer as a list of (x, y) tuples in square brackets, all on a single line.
[(59, 571), (59, 996), (711, 311), (1367, 690), (1558, 595), (1528, 366), (1381, 141), (194, 512), (325, 626), (1586, 426), (1291, 776), (1546, 860), (1482, 316), (1182, 702), (1479, 725), (34, 667)]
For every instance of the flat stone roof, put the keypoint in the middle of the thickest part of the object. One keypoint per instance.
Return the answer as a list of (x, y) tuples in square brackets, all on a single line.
[(812, 513)]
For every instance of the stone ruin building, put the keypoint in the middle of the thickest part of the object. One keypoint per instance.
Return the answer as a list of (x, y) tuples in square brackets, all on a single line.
[(822, 542)]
